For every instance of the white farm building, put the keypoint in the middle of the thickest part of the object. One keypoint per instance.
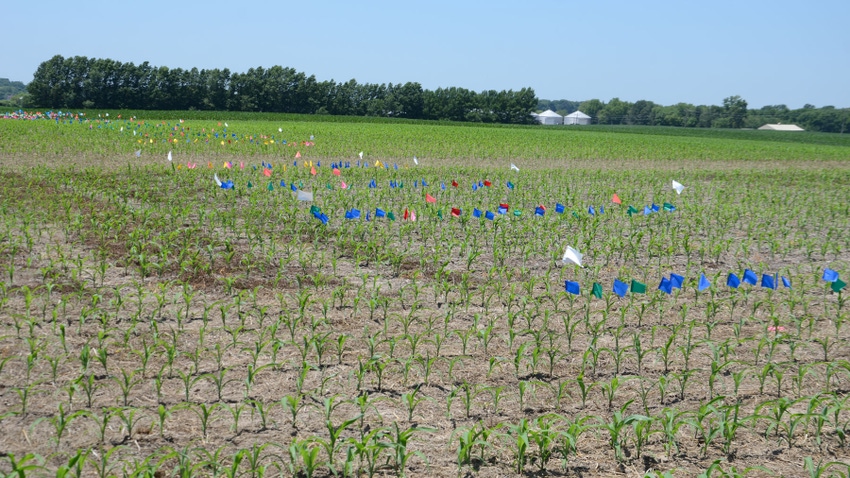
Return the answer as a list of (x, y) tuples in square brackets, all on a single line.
[(781, 127), (550, 117), (577, 118)]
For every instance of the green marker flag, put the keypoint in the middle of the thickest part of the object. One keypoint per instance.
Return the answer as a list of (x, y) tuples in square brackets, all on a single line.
[(329, 186), (517, 213), (837, 285), (631, 211), (391, 216), (597, 290), (638, 287), (270, 187), (440, 213), (315, 209), (250, 185), (575, 215)]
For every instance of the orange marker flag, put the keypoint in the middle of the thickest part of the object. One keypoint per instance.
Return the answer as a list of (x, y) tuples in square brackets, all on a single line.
[(267, 172), (298, 155), (313, 171), (430, 198), (616, 199), (336, 172)]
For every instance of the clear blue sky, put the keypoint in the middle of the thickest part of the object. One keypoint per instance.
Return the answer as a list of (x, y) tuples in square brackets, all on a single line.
[(768, 52)]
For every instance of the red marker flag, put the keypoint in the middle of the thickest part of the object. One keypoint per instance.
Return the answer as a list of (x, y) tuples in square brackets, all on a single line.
[(616, 199), (454, 183), (455, 212)]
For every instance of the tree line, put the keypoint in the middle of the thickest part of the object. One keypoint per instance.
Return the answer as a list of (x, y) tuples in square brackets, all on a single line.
[(80, 82), (733, 113)]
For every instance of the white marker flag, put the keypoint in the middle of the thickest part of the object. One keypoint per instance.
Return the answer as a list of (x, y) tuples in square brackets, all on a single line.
[(415, 161), (678, 187), (514, 168), (361, 154), (169, 156), (138, 153), (304, 196), (572, 255), (217, 181)]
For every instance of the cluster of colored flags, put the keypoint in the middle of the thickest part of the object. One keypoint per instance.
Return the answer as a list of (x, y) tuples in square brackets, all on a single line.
[(676, 281)]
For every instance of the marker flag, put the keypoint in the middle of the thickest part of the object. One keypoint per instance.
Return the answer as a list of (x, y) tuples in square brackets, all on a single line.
[(733, 281), (335, 172), (631, 211), (361, 154), (616, 199), (655, 207), (669, 207), (830, 275), (786, 282), (270, 187), (415, 161), (413, 216), (429, 198), (313, 170), (454, 183), (343, 185), (298, 155), (572, 255), (768, 282), (514, 168), (517, 213), (474, 187), (424, 184), (677, 280), (391, 216), (406, 215), (169, 156), (837, 285), (510, 185), (476, 213), (487, 183), (591, 211), (572, 287), (138, 151), (647, 211), (250, 185), (443, 186), (703, 283), (380, 212), (456, 212), (304, 195), (750, 277), (678, 187), (282, 184), (638, 287), (217, 181), (489, 215), (597, 290), (620, 288), (267, 172), (559, 208), (352, 214), (373, 184), (666, 286)]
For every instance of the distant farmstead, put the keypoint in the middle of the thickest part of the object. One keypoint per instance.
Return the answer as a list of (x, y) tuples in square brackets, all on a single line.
[(781, 127), (577, 118), (550, 117)]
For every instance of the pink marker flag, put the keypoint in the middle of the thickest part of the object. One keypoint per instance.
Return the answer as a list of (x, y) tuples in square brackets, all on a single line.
[(191, 165), (430, 198), (228, 165), (241, 165), (343, 185), (298, 155), (413, 216)]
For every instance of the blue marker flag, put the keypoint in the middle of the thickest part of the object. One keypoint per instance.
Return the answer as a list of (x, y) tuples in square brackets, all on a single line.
[(750, 277), (647, 211), (282, 184), (677, 280), (768, 282), (474, 187), (786, 282), (655, 207), (476, 213), (572, 287), (591, 211), (380, 213), (292, 187), (830, 275), (489, 215), (539, 211), (559, 208), (367, 216), (424, 184), (443, 186), (703, 283), (352, 214), (620, 288), (502, 210), (665, 285), (601, 209), (510, 185), (733, 281)]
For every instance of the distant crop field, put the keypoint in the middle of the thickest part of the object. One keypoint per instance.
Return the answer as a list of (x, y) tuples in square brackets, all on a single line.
[(274, 296)]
